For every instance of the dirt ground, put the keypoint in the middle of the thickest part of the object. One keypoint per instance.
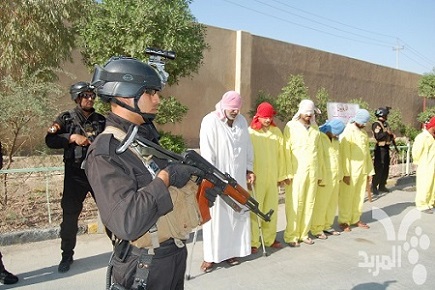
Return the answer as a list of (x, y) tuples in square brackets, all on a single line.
[(33, 198)]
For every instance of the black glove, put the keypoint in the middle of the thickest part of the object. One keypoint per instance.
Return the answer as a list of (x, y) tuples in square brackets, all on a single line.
[(211, 194), (179, 174)]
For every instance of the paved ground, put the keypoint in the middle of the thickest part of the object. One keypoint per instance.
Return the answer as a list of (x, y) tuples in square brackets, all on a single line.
[(394, 254)]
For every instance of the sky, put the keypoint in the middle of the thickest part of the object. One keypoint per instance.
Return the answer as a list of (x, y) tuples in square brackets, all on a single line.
[(392, 33)]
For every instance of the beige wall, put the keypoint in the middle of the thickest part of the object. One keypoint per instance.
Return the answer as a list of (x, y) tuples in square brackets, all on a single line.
[(266, 64), (246, 63)]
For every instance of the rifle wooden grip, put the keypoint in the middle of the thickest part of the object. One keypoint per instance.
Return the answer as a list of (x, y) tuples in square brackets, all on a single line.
[(203, 201), (238, 193)]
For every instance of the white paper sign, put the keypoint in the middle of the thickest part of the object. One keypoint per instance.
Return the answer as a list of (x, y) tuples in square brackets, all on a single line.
[(341, 111)]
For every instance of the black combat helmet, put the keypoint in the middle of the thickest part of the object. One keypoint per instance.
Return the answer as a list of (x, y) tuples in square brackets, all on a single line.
[(381, 112), (78, 88), (125, 77)]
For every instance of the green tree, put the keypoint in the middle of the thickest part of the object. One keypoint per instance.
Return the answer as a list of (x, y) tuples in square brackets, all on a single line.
[(426, 87), (171, 111), (425, 116), (25, 104), (128, 27), (291, 95), (37, 36), (322, 97)]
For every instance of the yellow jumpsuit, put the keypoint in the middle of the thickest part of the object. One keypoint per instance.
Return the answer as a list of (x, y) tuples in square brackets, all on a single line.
[(356, 163), (423, 153), (269, 168), (325, 206), (303, 156)]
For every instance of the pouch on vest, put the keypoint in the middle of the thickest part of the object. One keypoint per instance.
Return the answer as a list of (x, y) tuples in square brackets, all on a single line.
[(185, 215)]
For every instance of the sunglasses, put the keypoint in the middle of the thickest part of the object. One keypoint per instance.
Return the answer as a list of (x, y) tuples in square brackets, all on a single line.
[(88, 96), (151, 92)]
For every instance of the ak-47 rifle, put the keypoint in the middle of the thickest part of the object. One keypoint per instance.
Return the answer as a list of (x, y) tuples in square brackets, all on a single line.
[(228, 188)]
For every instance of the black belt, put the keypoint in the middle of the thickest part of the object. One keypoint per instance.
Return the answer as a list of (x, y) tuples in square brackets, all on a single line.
[(124, 248), (166, 248)]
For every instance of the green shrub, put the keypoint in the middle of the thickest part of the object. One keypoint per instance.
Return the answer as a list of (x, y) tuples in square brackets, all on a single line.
[(174, 143)]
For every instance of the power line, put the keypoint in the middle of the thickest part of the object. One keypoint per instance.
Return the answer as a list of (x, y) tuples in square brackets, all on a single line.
[(376, 42), (305, 26)]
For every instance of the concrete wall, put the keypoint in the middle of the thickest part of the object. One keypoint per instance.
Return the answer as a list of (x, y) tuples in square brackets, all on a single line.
[(246, 63)]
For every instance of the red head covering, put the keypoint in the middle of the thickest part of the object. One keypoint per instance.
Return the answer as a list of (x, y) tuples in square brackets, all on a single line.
[(431, 123), (264, 110)]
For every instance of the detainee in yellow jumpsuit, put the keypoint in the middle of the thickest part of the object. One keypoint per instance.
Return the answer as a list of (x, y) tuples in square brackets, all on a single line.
[(423, 153), (269, 168), (303, 156), (325, 206), (357, 170)]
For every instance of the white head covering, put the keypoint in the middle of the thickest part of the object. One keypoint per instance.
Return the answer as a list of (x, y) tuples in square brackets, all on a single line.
[(306, 107)]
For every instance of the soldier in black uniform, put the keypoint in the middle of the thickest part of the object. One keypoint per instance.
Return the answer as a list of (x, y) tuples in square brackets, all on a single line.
[(74, 131), (384, 137), (132, 193)]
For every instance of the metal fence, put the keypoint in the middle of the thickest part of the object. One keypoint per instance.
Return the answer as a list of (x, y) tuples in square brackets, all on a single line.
[(33, 199), (38, 185), (47, 174)]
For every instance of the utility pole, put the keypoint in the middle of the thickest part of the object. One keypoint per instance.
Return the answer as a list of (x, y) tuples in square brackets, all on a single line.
[(397, 48)]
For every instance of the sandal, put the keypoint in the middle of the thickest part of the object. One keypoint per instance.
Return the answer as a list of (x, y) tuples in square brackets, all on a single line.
[(233, 261), (362, 225), (332, 232), (207, 267), (308, 241), (321, 236), (294, 244), (276, 245), (345, 227)]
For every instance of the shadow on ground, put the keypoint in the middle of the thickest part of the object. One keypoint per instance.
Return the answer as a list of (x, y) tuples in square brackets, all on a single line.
[(50, 273), (373, 286)]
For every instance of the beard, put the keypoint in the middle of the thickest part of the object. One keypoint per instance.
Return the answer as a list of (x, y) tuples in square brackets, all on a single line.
[(88, 109)]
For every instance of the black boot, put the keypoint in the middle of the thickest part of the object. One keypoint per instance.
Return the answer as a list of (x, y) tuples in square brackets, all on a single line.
[(7, 278), (64, 264), (375, 191), (383, 189)]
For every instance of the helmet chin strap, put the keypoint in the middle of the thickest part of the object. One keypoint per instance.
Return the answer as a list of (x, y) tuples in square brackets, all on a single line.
[(147, 117)]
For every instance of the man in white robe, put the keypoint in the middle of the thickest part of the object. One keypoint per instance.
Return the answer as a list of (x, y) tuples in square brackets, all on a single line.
[(225, 142)]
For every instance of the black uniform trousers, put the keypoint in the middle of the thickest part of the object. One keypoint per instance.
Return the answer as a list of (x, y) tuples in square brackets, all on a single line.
[(2, 267), (167, 269), (75, 189), (382, 166)]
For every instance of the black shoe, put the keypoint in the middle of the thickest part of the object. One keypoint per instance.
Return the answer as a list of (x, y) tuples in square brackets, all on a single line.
[(64, 264), (375, 191), (384, 189), (7, 278)]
